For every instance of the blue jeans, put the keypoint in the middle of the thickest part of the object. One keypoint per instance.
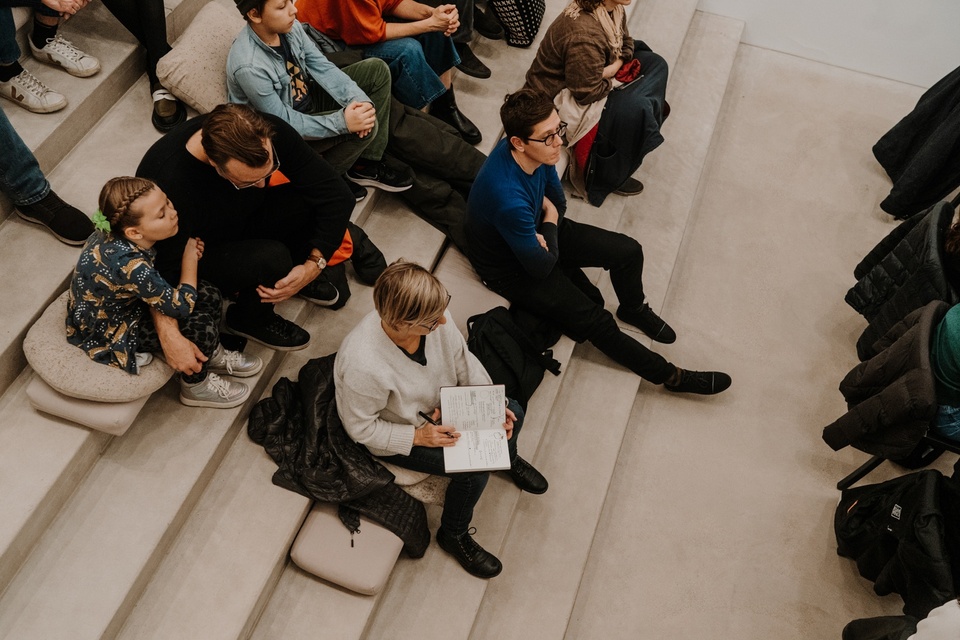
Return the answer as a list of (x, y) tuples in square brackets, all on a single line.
[(20, 175), (465, 489), (415, 65), (948, 421), (9, 50)]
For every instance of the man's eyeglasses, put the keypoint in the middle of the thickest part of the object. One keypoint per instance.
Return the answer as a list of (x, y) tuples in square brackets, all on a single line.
[(432, 326), (551, 137), (265, 179)]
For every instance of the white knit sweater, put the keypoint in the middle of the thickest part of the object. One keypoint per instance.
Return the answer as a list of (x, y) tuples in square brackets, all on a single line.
[(380, 390)]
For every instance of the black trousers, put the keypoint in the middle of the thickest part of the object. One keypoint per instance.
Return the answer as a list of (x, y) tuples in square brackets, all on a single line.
[(567, 298), (274, 240), (147, 21)]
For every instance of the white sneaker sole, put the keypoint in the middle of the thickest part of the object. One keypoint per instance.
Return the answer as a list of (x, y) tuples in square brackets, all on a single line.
[(214, 404)]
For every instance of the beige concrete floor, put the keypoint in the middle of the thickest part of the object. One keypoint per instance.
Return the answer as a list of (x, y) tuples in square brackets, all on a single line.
[(718, 523)]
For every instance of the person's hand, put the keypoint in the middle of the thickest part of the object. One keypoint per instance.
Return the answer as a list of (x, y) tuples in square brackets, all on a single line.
[(542, 241), (200, 245), (192, 251), (360, 117), (445, 18), (436, 435), (611, 69), (182, 354), (66, 6), (299, 277), (508, 425)]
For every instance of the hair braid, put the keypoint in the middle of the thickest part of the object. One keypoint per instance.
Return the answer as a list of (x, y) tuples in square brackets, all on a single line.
[(116, 198)]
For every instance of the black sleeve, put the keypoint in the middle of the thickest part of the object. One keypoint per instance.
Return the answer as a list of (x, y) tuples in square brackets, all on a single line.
[(324, 191)]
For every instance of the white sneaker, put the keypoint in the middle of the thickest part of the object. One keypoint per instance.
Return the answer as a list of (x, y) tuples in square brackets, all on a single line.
[(234, 363), (213, 391), (27, 91), (60, 52)]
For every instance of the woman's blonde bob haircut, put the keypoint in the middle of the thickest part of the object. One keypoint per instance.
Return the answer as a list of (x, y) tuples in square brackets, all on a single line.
[(408, 294)]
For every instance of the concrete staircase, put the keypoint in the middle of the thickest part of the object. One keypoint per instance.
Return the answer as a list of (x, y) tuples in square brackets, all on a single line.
[(175, 531)]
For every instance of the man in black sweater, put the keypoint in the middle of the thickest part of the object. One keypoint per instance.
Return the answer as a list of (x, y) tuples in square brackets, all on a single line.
[(268, 234)]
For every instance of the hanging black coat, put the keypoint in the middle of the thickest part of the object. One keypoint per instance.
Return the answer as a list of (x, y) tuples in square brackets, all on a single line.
[(921, 153), (300, 428), (902, 273)]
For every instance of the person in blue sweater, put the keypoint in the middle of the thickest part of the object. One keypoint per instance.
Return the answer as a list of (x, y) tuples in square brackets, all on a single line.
[(525, 249)]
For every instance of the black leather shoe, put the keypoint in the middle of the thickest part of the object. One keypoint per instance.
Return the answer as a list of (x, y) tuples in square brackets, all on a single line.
[(471, 556), (445, 108), (486, 25), (705, 383), (650, 323), (526, 477), (470, 64)]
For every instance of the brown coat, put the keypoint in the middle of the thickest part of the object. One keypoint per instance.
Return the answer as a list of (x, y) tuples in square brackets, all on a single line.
[(572, 55)]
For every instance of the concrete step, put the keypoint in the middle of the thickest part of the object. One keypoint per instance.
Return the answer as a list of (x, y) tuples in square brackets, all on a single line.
[(609, 572), (554, 565)]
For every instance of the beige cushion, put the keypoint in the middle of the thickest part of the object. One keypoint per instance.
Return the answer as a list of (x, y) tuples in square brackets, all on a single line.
[(113, 417), (470, 296), (69, 370), (196, 69), (430, 490), (323, 548)]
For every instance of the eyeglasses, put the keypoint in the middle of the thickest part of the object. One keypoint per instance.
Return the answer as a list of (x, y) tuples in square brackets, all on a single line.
[(436, 322), (548, 141), (265, 179)]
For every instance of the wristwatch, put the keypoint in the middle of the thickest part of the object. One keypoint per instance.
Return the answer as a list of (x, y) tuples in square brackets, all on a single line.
[(321, 262)]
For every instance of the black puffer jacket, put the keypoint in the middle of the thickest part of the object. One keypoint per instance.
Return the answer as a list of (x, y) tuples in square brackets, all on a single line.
[(903, 272), (300, 428), (892, 397)]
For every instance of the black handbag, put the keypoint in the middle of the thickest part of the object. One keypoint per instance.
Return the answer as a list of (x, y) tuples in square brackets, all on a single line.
[(520, 19)]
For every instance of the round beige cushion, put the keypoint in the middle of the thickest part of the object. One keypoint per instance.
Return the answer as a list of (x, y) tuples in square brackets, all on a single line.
[(69, 370)]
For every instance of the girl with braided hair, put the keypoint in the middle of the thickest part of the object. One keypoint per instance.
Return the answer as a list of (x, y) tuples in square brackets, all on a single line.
[(115, 282)]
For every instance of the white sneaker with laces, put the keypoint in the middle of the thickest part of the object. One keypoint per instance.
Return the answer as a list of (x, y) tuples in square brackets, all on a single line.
[(234, 363), (214, 392), (60, 52), (27, 91)]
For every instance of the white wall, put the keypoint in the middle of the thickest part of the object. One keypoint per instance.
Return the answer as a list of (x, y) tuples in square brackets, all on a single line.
[(913, 41)]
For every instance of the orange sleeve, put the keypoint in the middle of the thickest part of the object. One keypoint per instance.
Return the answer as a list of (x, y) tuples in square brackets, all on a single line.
[(356, 22)]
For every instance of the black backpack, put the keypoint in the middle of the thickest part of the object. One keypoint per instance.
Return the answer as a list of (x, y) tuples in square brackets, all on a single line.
[(508, 354)]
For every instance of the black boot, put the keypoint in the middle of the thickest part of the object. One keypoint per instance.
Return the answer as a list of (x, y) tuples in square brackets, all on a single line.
[(445, 108), (471, 556)]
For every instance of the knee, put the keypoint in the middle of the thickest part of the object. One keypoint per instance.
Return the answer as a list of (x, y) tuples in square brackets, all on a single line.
[(409, 50), (270, 260)]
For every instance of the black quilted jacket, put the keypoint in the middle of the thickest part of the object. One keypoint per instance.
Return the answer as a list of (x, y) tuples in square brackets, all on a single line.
[(902, 273), (300, 428)]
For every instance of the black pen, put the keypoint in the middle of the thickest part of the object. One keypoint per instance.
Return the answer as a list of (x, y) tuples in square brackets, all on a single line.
[(428, 419)]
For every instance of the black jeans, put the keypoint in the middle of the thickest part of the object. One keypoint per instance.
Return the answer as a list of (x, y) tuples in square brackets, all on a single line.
[(567, 298), (274, 240), (146, 20), (465, 488)]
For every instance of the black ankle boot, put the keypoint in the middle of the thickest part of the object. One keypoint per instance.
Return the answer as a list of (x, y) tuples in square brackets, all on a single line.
[(471, 556), (445, 108)]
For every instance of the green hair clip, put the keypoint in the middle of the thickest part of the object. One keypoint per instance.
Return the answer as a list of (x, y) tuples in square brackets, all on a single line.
[(100, 222)]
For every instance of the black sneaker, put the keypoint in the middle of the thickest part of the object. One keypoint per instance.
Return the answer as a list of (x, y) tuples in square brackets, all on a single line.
[(381, 176), (486, 25), (359, 192), (705, 383), (630, 187), (66, 222), (470, 64), (471, 556), (320, 292), (277, 333), (650, 323)]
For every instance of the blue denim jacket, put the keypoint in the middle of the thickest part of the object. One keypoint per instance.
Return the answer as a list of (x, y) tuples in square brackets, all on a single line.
[(257, 75)]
